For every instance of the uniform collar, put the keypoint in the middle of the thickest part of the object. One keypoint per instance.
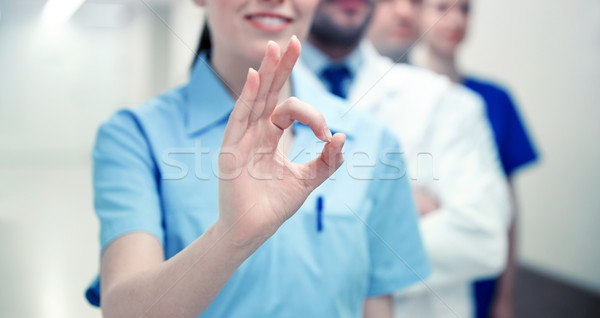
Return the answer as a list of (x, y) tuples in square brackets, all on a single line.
[(209, 103)]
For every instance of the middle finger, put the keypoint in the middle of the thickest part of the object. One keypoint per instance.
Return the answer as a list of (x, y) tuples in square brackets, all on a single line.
[(266, 73)]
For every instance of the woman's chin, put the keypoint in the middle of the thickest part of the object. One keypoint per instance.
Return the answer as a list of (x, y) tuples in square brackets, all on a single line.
[(259, 48)]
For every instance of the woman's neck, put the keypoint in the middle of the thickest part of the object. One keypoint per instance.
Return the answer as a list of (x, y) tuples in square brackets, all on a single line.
[(442, 64), (233, 70)]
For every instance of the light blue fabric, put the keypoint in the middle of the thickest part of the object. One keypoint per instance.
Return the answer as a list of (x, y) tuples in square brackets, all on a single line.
[(155, 171)]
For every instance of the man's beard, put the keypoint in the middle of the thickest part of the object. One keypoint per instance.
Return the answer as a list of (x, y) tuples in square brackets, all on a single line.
[(327, 33)]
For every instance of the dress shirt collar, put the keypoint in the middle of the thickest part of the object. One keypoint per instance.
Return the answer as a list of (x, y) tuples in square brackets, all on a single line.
[(317, 61)]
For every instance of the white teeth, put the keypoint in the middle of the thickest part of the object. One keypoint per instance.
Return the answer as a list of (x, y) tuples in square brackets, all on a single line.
[(269, 20)]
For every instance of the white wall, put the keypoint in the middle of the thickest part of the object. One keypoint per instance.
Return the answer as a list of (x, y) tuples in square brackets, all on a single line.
[(57, 86), (548, 53), (55, 89)]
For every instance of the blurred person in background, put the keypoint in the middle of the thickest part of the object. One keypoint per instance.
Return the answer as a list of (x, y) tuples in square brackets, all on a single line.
[(494, 297), (463, 198), (393, 29), (181, 237)]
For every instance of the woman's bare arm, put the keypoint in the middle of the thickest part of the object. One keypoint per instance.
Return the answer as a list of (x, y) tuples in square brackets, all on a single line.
[(137, 282), (503, 302), (379, 307)]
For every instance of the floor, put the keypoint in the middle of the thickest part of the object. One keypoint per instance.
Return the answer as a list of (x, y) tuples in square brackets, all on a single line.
[(48, 240), (541, 296), (49, 249)]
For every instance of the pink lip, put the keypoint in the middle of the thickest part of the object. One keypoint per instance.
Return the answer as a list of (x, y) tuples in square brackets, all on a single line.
[(402, 32), (353, 5), (257, 23), (455, 36)]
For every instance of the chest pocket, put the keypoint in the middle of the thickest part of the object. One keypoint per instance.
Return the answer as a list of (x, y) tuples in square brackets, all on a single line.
[(333, 247)]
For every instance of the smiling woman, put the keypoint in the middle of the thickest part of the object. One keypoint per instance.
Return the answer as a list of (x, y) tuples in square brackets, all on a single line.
[(240, 29), (247, 241)]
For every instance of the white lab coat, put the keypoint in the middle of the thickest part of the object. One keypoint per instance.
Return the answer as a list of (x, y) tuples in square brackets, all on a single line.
[(442, 125)]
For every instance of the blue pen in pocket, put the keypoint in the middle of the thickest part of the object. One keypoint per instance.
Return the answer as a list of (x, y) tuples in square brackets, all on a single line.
[(320, 214)]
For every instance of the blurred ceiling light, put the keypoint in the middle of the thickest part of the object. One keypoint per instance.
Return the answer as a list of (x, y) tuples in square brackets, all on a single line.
[(57, 12), (103, 15)]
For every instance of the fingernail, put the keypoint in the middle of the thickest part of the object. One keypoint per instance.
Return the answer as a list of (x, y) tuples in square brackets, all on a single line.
[(327, 133), (270, 43), (294, 37)]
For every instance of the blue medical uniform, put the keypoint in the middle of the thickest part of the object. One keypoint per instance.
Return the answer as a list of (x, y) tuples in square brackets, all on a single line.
[(155, 170), (515, 149)]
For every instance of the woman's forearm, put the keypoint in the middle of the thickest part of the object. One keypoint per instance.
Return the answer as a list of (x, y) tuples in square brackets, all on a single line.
[(183, 286), (379, 307)]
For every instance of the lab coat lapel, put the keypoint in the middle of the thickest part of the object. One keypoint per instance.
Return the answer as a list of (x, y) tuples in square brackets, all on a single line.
[(372, 84), (403, 97)]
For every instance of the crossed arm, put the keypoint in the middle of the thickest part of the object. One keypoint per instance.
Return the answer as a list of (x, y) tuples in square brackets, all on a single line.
[(466, 229)]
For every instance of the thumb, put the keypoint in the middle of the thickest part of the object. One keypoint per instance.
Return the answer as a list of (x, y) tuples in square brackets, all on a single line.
[(327, 163)]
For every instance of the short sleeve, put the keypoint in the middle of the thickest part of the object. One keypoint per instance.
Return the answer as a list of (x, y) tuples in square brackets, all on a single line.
[(125, 183), (515, 146), (398, 258)]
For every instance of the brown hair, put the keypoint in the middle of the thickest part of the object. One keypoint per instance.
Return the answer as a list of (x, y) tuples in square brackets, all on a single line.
[(205, 44)]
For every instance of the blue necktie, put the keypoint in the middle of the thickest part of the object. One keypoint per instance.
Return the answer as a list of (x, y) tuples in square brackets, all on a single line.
[(335, 76)]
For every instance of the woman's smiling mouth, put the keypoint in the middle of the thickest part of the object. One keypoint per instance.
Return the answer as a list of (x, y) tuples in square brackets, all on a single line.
[(270, 22)]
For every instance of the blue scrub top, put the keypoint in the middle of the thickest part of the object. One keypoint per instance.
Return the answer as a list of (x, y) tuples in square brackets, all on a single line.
[(515, 149), (155, 169), (514, 145)]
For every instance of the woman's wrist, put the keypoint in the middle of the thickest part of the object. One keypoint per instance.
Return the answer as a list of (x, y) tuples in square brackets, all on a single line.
[(239, 238)]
